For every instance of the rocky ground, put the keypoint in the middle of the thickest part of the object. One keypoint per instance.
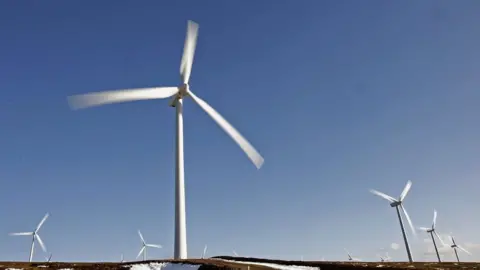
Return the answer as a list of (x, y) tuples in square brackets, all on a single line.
[(236, 263)]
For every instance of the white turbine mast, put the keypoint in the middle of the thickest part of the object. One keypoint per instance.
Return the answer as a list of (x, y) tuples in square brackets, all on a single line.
[(35, 236), (455, 247), (432, 231), (178, 93), (399, 204), (144, 247)]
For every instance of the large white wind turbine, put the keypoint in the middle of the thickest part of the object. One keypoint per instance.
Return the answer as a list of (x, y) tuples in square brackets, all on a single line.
[(455, 246), (144, 247), (35, 236), (178, 93), (399, 203), (432, 231)]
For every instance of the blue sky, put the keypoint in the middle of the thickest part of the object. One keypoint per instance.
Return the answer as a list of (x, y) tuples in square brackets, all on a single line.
[(338, 96)]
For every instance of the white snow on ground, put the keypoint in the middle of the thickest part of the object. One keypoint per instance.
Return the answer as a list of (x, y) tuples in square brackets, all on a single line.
[(277, 266), (164, 266)]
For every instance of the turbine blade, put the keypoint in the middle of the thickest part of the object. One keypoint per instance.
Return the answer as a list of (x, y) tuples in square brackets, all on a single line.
[(153, 246), (117, 96), (423, 228), (204, 251), (383, 195), (21, 233), (408, 219), (140, 253), (441, 240), (251, 152), (41, 242), (41, 222), (405, 190), (434, 223), (464, 250), (189, 51), (141, 237)]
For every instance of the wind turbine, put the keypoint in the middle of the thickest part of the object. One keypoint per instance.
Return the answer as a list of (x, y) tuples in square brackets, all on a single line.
[(35, 236), (350, 258), (204, 251), (455, 246), (385, 258), (121, 258), (178, 93), (399, 204), (432, 231), (234, 253), (144, 247), (49, 258)]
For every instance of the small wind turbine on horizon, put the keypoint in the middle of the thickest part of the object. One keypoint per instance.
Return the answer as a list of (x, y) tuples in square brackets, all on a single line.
[(350, 258), (49, 258), (35, 236), (121, 258), (178, 93), (385, 258), (204, 252), (399, 204), (145, 246), (432, 231), (235, 253), (455, 246)]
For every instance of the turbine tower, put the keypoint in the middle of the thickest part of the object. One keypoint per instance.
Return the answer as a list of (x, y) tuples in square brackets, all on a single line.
[(144, 247), (432, 231), (399, 204), (35, 236), (455, 246), (178, 93)]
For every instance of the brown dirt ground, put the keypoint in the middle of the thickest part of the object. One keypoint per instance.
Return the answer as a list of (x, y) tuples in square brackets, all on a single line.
[(213, 264)]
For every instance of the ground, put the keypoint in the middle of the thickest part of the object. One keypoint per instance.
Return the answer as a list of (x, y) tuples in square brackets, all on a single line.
[(242, 264)]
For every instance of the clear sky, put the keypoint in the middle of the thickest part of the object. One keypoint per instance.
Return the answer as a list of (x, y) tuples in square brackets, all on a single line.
[(338, 96)]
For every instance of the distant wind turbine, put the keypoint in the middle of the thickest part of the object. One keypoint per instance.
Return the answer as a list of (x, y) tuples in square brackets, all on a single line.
[(49, 258), (455, 246), (235, 253), (385, 258), (178, 93), (399, 204), (432, 231), (121, 258), (204, 251), (35, 236), (145, 246), (350, 258)]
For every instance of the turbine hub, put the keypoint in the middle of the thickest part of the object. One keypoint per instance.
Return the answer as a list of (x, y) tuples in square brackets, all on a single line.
[(183, 90)]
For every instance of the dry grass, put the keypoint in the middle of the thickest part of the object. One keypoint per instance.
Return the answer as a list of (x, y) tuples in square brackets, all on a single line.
[(215, 264)]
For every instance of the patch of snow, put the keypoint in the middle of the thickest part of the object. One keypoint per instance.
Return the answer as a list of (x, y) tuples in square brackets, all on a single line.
[(42, 266), (14, 269), (277, 266), (164, 266)]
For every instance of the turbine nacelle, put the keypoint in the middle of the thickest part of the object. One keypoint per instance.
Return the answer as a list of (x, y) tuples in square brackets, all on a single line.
[(395, 203)]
